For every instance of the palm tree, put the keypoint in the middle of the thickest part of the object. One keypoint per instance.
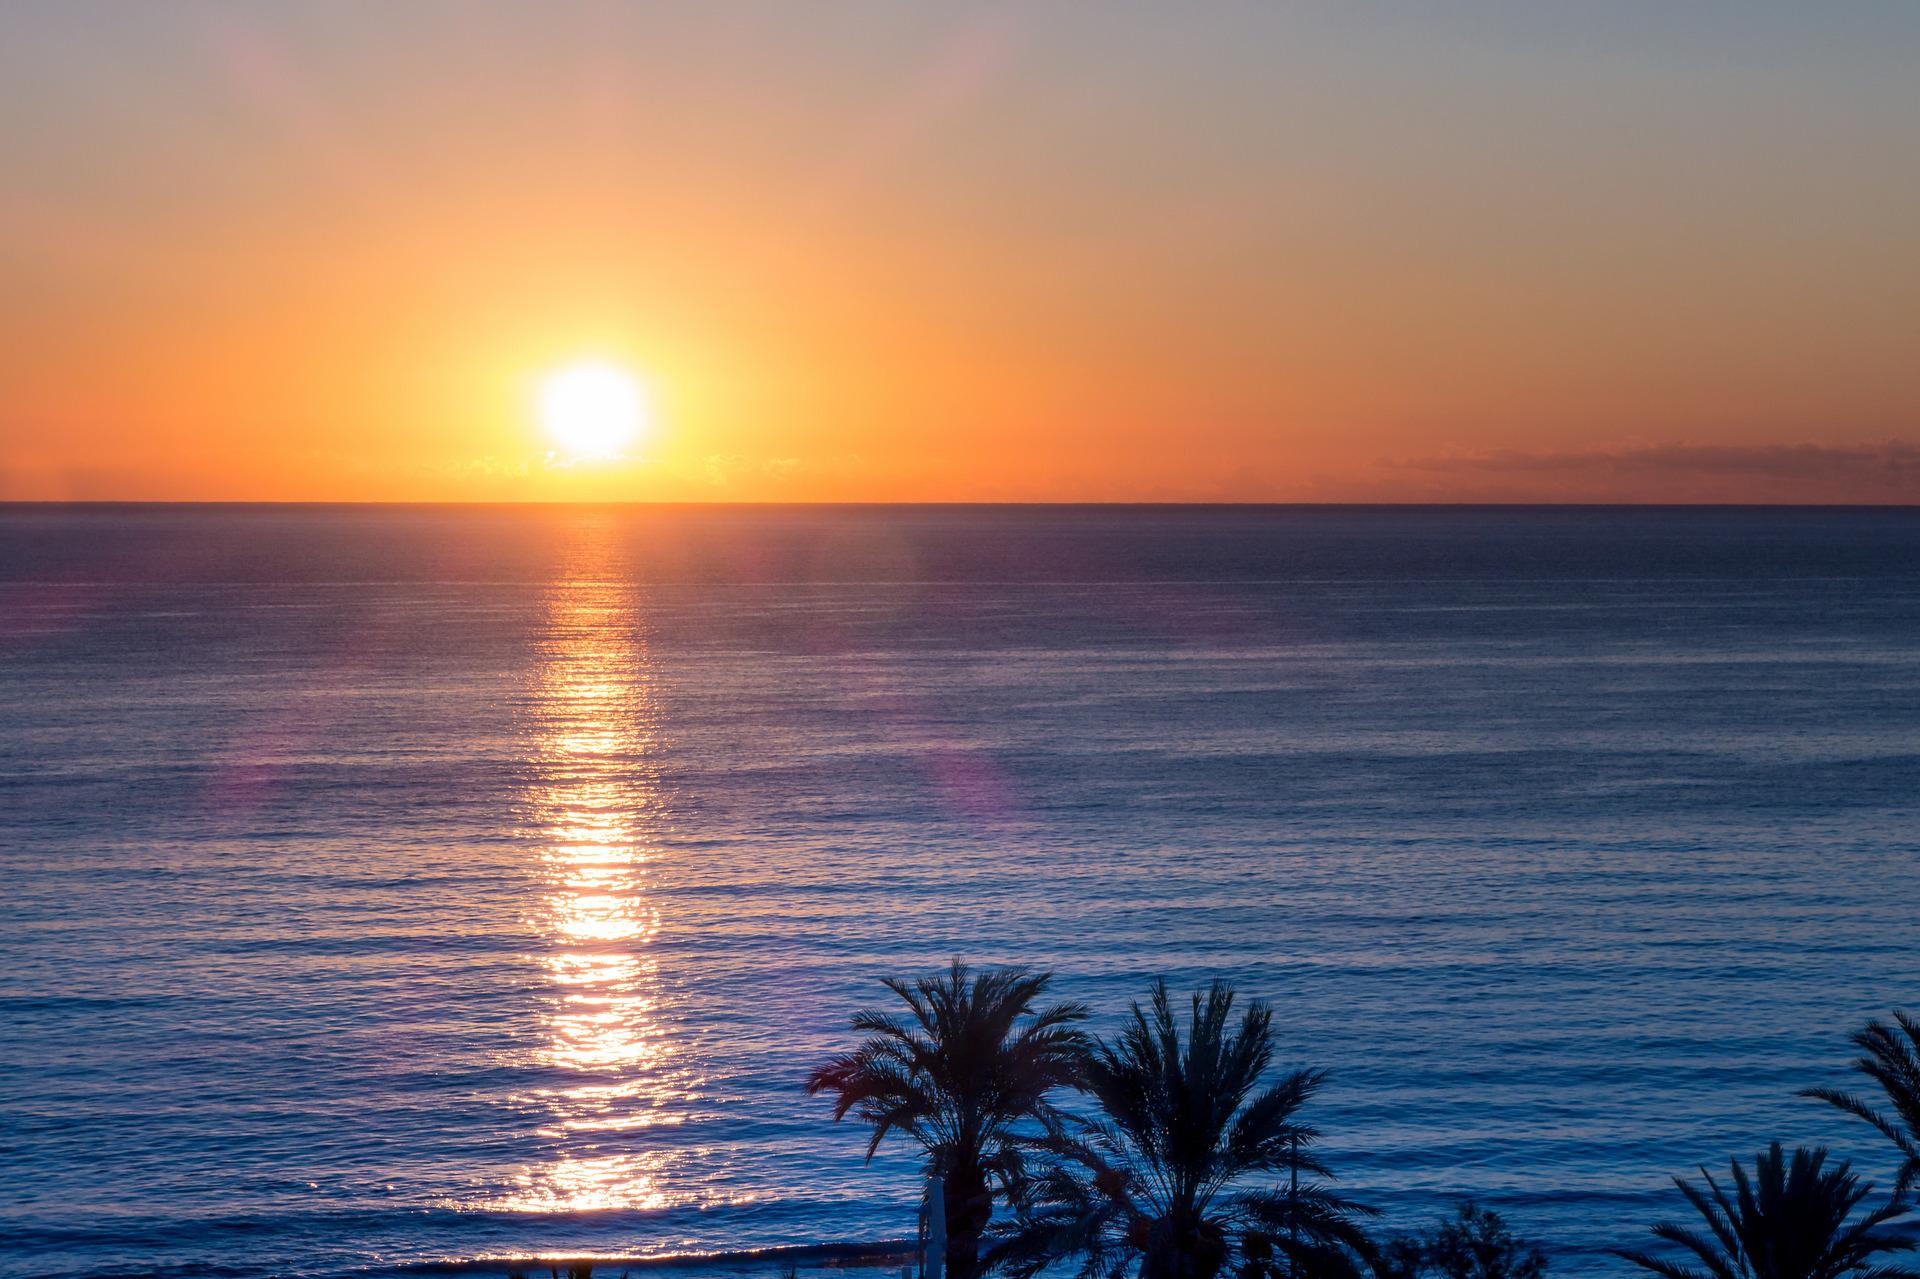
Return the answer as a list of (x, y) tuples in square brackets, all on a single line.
[(1191, 1166), (1784, 1222), (1892, 1061), (965, 1073)]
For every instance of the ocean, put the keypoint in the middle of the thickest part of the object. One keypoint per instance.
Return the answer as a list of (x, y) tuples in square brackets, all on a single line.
[(389, 885)]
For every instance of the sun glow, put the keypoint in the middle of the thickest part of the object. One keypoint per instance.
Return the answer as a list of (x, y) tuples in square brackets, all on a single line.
[(592, 410)]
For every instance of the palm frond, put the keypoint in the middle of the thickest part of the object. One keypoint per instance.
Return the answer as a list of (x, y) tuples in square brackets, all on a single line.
[(1890, 1057), (1662, 1266), (1167, 1177), (1789, 1218), (964, 1067)]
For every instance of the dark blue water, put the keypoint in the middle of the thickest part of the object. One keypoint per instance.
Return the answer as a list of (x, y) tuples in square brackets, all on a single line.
[(385, 885)]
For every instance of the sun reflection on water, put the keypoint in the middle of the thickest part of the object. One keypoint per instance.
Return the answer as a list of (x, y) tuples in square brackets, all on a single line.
[(598, 804)]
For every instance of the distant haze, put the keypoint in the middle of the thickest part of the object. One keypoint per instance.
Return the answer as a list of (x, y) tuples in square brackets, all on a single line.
[(880, 252)]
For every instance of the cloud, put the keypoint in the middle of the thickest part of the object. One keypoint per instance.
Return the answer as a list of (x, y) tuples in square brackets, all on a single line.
[(1798, 461), (1680, 471), (724, 470)]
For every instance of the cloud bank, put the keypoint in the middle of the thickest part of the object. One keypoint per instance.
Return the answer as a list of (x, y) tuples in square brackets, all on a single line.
[(1811, 471)]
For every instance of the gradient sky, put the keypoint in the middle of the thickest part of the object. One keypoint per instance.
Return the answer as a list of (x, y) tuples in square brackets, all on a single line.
[(1321, 252)]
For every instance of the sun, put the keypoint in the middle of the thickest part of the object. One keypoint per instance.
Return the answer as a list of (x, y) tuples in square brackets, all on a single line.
[(592, 410)]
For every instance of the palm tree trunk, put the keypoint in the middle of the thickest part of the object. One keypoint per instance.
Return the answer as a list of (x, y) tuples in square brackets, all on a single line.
[(969, 1207)]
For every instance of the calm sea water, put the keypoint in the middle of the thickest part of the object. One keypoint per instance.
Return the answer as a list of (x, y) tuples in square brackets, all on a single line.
[(386, 885)]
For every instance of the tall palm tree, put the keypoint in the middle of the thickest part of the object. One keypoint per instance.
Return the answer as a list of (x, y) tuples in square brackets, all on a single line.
[(965, 1072), (1784, 1222), (1891, 1060), (1192, 1166)]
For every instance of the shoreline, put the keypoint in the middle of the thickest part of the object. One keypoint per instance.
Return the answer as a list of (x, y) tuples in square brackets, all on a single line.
[(870, 1255)]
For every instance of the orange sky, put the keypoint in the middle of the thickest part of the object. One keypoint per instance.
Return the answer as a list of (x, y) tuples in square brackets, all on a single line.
[(882, 253)]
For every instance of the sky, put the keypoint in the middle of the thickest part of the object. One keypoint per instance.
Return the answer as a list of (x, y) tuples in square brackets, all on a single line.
[(1351, 251)]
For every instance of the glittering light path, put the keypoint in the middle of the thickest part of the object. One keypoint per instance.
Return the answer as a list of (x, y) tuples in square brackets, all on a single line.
[(597, 744)]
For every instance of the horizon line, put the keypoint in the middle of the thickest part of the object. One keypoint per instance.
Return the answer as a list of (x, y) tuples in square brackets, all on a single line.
[(1108, 504)]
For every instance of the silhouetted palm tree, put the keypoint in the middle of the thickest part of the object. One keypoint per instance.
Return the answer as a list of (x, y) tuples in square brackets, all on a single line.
[(961, 1073), (1190, 1169), (1784, 1222), (1891, 1060)]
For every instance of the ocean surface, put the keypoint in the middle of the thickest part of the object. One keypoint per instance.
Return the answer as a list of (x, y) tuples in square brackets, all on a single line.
[(391, 885)]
